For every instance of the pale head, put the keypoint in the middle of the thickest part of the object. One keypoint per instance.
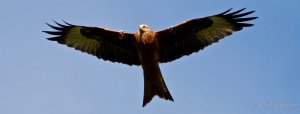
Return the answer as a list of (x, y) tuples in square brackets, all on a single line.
[(144, 28)]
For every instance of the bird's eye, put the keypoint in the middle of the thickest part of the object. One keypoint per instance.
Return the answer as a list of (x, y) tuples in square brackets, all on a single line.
[(144, 26)]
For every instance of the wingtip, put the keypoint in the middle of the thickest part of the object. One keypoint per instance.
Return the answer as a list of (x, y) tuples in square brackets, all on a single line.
[(61, 25), (226, 11), (52, 39), (236, 12), (245, 24), (67, 23), (48, 24), (243, 8), (55, 21), (53, 32), (46, 32), (245, 19), (54, 27), (49, 39), (243, 14)]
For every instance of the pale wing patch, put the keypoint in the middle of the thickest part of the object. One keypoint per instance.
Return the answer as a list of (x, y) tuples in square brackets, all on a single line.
[(75, 39), (219, 29)]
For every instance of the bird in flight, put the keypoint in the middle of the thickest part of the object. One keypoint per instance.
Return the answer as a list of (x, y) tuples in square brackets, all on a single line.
[(147, 48)]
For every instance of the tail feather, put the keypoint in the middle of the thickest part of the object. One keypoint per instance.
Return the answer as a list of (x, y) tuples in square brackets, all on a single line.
[(154, 84)]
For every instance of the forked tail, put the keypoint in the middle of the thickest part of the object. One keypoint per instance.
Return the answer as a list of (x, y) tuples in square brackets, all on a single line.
[(154, 84)]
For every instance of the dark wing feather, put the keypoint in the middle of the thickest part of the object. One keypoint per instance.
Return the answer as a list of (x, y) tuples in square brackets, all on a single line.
[(105, 44), (194, 35)]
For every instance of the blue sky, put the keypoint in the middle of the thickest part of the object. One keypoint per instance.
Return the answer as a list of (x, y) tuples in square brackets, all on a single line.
[(254, 71)]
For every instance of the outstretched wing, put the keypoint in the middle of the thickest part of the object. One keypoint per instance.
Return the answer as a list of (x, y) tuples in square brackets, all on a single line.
[(105, 44), (193, 35)]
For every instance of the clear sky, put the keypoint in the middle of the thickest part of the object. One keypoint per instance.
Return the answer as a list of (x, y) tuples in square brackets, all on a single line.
[(254, 71)]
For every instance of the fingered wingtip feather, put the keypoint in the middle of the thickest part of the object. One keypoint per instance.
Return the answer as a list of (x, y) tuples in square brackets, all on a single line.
[(61, 25), (225, 11), (67, 23), (245, 24), (245, 19), (52, 32), (58, 39), (51, 39), (243, 14), (54, 27), (236, 12)]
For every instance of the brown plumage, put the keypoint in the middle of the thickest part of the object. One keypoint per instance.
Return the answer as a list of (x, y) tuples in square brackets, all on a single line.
[(148, 48)]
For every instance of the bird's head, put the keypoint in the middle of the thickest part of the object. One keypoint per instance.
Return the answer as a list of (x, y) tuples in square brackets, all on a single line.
[(144, 28)]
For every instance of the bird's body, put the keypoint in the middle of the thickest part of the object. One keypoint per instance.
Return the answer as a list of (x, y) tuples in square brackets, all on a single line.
[(149, 48)]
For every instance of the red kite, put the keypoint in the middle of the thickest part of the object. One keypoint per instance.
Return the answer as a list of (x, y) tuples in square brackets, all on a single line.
[(149, 48)]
